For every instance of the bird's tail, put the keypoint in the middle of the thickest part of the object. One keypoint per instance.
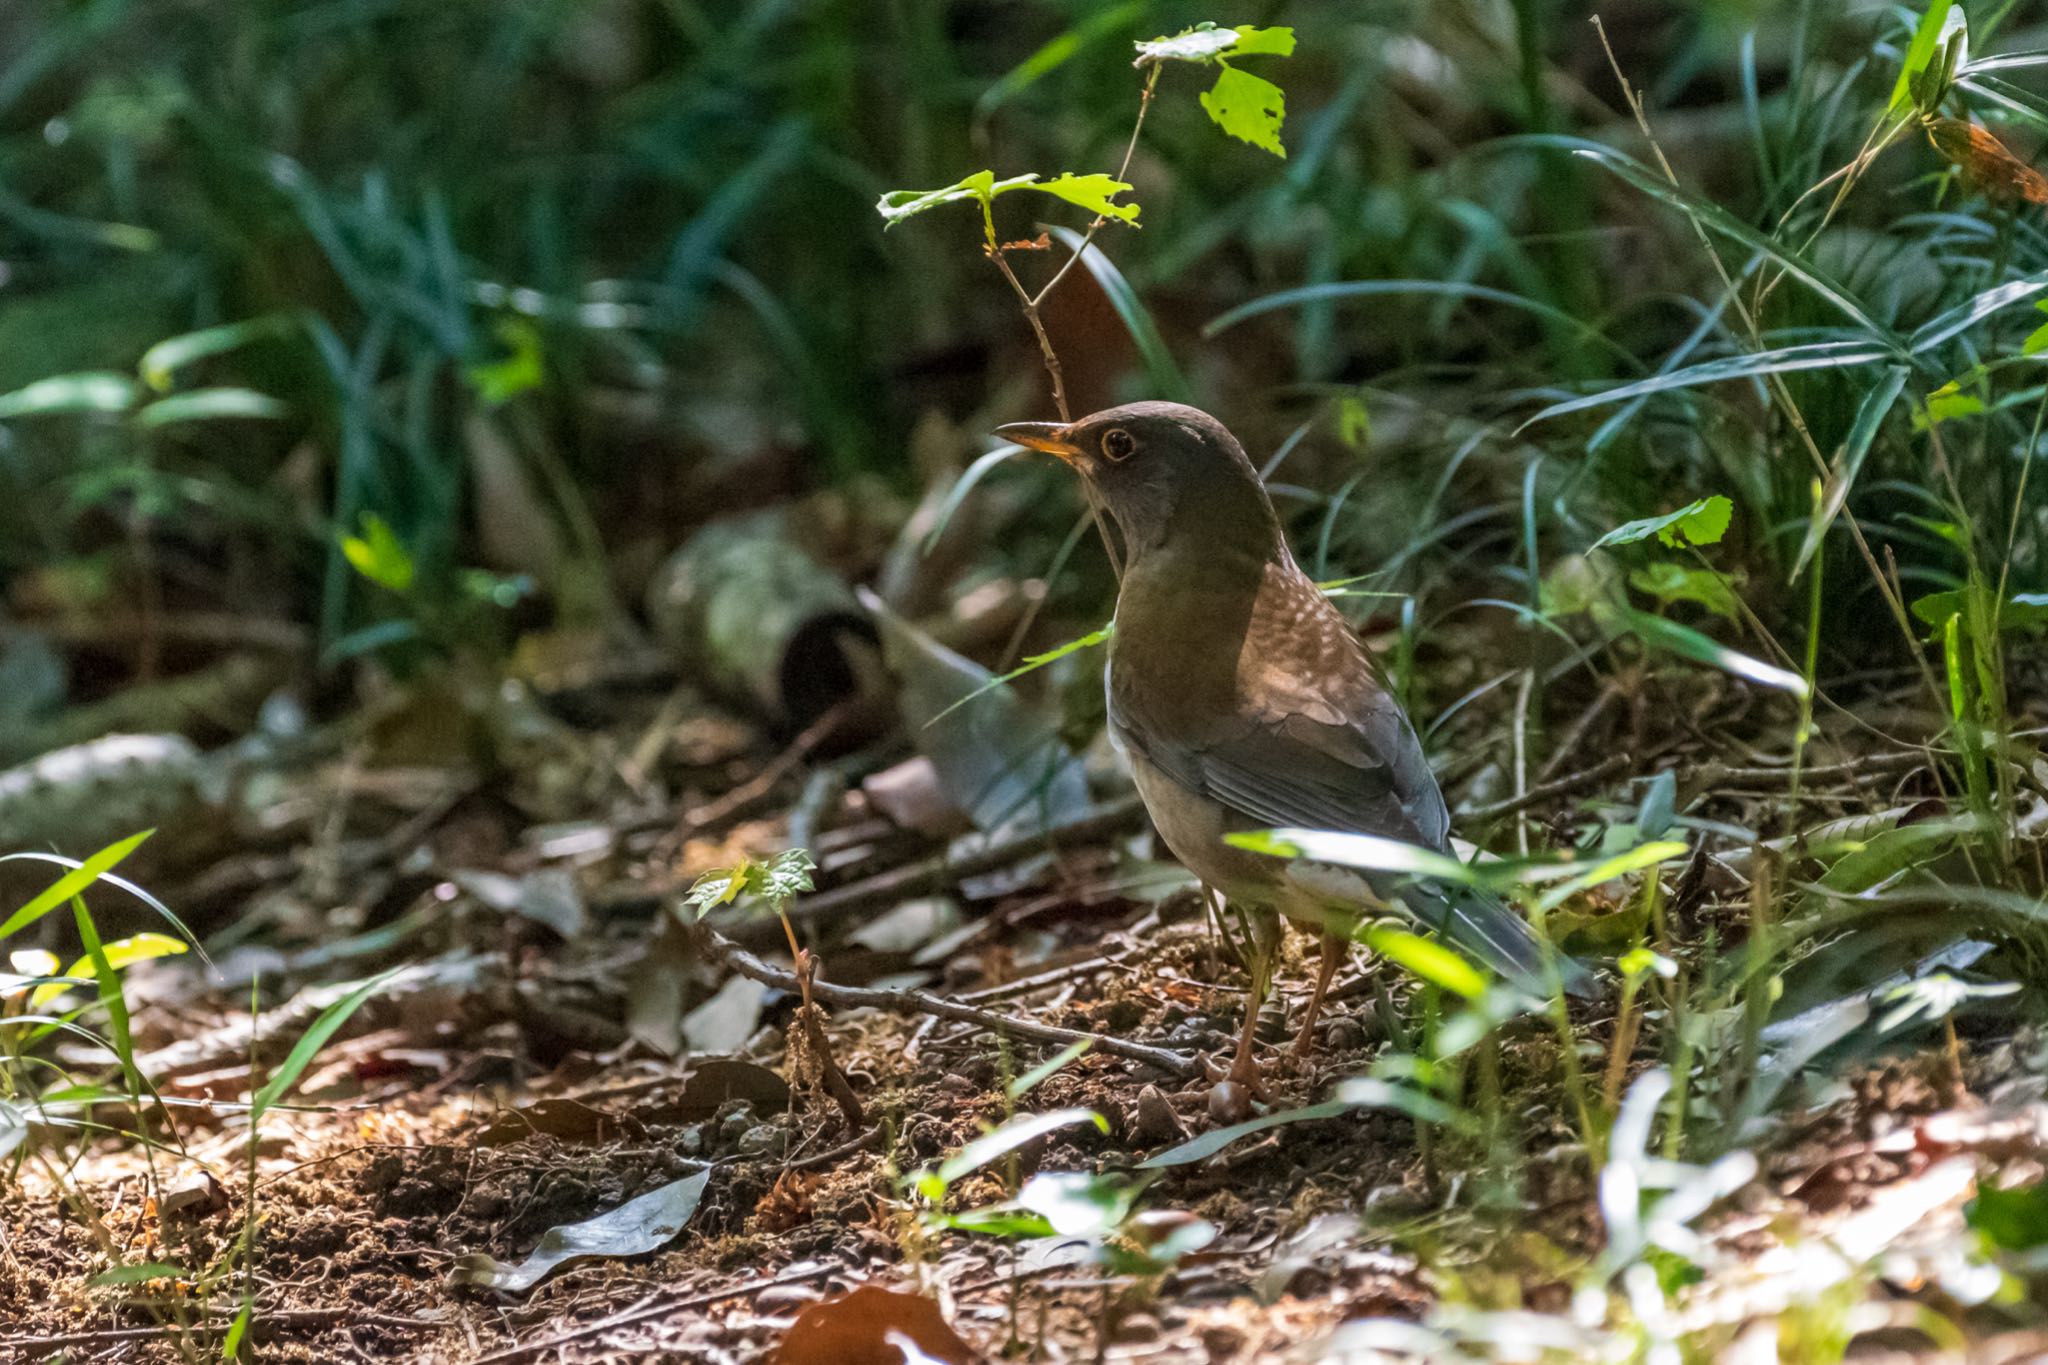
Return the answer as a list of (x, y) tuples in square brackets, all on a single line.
[(1477, 922)]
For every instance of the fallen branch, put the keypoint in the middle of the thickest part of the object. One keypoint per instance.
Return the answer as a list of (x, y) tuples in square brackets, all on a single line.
[(1544, 791), (924, 1002)]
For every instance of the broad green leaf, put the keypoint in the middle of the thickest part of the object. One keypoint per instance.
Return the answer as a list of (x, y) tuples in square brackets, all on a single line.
[(72, 883), (119, 954), (205, 405), (1210, 42), (721, 886), (1697, 523), (165, 358), (93, 392), (1669, 582), (1689, 643), (2011, 1220), (521, 371), (1262, 42), (1249, 108), (1372, 852), (1000, 1142), (1079, 1205), (378, 555), (1946, 402), (784, 876), (1430, 960), (1204, 42), (1919, 53), (1095, 193), (312, 1040), (2021, 611), (1620, 865)]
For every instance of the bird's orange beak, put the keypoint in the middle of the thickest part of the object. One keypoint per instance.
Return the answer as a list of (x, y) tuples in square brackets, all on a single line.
[(1053, 438)]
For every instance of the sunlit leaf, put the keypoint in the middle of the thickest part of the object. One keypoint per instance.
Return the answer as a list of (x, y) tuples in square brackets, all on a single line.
[(1697, 523), (1946, 403), (1669, 582), (96, 392), (1919, 53), (1372, 852), (72, 883), (1096, 193), (1076, 1204), (1000, 1142), (520, 371), (378, 555), (160, 362), (119, 954), (1428, 959), (1688, 643), (312, 1040), (1249, 108), (206, 405)]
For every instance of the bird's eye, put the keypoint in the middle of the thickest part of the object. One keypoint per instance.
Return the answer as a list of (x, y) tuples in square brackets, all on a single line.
[(1118, 444)]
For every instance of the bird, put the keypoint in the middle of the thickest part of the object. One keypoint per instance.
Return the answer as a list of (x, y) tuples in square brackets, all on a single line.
[(1242, 700)]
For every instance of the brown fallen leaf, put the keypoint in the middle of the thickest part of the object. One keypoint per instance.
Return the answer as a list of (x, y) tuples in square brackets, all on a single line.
[(1987, 164), (873, 1326), (568, 1120)]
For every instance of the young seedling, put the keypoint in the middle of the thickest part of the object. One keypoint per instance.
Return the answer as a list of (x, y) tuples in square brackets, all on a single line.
[(1243, 105), (775, 883)]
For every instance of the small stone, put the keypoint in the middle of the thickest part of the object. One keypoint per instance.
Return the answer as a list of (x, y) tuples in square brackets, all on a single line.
[(690, 1141), (1222, 1342), (1136, 1328), (759, 1140), (1345, 1034), (1155, 1123), (781, 1296), (735, 1117), (194, 1198), (1392, 1204)]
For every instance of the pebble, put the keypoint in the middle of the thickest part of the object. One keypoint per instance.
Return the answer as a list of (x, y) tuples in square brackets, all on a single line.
[(1156, 1124), (759, 1140)]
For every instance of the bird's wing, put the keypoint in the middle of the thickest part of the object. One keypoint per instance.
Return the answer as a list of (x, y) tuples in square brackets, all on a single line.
[(1313, 737)]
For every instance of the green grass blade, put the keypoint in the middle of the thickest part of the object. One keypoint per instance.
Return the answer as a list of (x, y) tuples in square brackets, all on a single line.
[(1870, 415), (1160, 367), (315, 1038), (1819, 355), (71, 883), (1352, 289)]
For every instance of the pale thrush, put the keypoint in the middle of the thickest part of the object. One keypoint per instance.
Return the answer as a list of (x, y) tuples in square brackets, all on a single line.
[(1243, 700)]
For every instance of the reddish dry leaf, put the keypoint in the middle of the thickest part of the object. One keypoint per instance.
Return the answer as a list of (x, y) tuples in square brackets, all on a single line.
[(873, 1326), (1986, 163)]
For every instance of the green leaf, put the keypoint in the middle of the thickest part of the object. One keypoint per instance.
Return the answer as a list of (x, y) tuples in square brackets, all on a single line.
[(1620, 865), (1354, 423), (1076, 1204), (1870, 415), (1095, 193), (91, 392), (312, 1040), (500, 381), (1697, 523), (785, 876), (205, 405), (1919, 53), (1249, 108), (1205, 42), (1688, 643), (1670, 582), (119, 954), (162, 360), (1432, 961), (378, 555), (1946, 402), (2011, 1220), (1000, 1142), (72, 883), (1210, 42), (720, 886)]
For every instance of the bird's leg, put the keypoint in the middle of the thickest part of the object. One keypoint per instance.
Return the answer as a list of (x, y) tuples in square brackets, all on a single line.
[(1262, 944), (1334, 946)]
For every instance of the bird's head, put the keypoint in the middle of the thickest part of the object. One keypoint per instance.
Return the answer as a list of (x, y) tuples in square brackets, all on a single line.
[(1162, 468)]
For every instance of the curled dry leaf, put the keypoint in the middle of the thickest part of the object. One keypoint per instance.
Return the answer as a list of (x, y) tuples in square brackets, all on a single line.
[(873, 1326), (1986, 163)]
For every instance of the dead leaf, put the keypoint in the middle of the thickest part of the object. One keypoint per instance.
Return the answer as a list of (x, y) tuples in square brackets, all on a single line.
[(632, 1229), (713, 1083), (908, 927), (568, 1120), (725, 1021), (1986, 163), (873, 1326)]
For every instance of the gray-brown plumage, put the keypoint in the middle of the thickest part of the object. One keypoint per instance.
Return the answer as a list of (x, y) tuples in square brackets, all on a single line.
[(1244, 701)]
